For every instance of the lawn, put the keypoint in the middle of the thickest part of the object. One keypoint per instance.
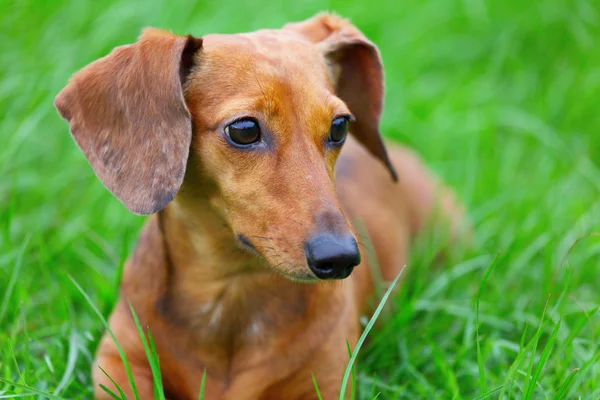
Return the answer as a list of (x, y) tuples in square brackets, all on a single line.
[(500, 97)]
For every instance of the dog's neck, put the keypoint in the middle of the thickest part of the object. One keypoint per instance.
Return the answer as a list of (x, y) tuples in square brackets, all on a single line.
[(201, 244), (203, 249)]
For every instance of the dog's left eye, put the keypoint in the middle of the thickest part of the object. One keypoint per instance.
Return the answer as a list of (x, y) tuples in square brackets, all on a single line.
[(339, 129), (243, 131)]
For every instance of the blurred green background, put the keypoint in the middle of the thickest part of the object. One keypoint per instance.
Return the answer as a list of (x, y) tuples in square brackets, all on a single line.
[(500, 97)]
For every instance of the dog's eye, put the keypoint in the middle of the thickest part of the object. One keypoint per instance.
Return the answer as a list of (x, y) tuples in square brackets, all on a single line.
[(243, 131), (339, 129)]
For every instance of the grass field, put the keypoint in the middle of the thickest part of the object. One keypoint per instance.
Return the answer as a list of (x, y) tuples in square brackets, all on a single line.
[(500, 97)]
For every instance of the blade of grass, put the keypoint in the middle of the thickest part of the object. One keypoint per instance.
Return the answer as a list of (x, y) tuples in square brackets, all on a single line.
[(202, 385), (362, 338), (543, 359), (316, 387), (521, 357), (530, 384), (112, 335), (562, 390), (70, 367), (373, 390), (158, 387), (353, 372), (488, 394), (114, 383), (445, 369), (150, 355), (13, 279), (26, 365), (584, 320), (514, 368), (523, 337), (482, 380), (14, 360), (581, 375), (562, 261), (31, 390), (110, 393)]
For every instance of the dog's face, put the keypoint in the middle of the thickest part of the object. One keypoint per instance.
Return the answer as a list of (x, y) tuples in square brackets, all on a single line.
[(268, 129), (262, 116)]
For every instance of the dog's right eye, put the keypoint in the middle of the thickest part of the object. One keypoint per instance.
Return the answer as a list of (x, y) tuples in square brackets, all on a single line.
[(243, 131)]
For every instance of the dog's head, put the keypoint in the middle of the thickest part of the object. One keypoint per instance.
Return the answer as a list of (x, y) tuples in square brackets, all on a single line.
[(258, 120)]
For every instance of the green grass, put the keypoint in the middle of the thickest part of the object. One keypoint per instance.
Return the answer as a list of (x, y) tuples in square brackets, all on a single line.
[(500, 97)]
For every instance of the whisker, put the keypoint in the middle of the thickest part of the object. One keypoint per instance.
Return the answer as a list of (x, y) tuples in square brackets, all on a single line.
[(363, 236), (366, 247)]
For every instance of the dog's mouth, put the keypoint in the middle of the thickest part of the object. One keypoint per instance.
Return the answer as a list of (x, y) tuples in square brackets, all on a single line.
[(294, 273), (328, 260), (302, 278)]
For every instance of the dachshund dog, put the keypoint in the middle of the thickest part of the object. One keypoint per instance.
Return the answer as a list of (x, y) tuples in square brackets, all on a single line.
[(238, 146)]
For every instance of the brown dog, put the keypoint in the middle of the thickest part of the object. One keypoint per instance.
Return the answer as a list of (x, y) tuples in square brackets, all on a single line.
[(232, 141)]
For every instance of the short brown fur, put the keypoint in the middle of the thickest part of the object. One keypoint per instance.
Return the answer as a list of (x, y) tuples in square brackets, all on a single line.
[(150, 118)]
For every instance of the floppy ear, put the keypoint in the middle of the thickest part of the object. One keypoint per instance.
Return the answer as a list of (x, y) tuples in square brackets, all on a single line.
[(128, 115), (358, 75)]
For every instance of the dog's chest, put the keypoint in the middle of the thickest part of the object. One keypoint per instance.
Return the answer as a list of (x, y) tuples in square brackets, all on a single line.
[(244, 313), (250, 325)]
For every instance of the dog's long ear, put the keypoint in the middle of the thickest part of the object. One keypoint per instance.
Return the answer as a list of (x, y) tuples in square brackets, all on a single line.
[(358, 75), (128, 115)]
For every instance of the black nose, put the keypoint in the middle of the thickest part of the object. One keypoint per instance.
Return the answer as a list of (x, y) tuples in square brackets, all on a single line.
[(331, 256)]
